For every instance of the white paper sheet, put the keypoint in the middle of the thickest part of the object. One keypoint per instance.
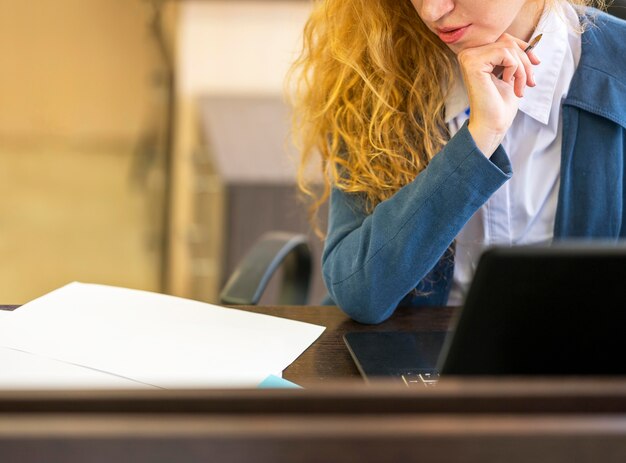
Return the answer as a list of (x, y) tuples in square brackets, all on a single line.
[(156, 339), (21, 370)]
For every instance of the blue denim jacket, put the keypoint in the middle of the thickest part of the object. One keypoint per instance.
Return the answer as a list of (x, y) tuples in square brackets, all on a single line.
[(372, 263)]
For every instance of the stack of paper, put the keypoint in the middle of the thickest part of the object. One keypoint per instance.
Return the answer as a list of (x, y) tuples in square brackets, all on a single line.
[(85, 335)]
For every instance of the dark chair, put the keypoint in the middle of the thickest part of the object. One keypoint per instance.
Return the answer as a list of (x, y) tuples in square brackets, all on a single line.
[(618, 8), (286, 250)]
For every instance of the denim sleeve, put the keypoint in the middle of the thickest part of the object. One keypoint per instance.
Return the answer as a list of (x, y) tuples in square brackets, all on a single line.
[(371, 262)]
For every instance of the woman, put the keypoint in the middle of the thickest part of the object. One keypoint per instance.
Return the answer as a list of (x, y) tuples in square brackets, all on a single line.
[(439, 135)]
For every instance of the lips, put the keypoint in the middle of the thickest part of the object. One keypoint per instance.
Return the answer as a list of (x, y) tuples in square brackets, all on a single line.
[(452, 34)]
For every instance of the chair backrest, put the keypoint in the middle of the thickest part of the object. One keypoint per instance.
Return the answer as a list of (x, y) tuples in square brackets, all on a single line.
[(288, 251), (618, 8)]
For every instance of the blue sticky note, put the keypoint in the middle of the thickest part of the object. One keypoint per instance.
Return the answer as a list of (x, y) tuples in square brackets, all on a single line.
[(277, 383)]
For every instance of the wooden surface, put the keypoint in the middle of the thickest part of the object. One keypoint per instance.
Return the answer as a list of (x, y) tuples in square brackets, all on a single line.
[(340, 419), (328, 358), (517, 421)]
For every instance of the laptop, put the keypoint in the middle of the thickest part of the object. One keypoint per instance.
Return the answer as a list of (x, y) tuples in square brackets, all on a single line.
[(530, 310)]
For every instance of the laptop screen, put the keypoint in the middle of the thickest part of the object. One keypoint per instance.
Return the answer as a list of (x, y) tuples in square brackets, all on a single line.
[(549, 310)]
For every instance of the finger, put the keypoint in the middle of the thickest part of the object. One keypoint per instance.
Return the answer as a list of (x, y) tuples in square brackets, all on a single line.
[(523, 74), (514, 71), (523, 46), (528, 67), (511, 65), (512, 39), (533, 57), (520, 80)]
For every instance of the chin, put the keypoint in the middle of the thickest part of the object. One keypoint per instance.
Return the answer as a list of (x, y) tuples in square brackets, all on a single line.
[(456, 49), (459, 47)]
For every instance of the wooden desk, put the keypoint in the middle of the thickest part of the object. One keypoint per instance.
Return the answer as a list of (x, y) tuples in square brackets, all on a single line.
[(328, 358), (461, 420)]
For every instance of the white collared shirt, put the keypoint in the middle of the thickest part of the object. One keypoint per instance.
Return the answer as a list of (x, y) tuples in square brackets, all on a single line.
[(523, 210)]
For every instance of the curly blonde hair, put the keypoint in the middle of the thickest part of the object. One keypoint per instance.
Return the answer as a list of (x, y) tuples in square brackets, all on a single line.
[(370, 86)]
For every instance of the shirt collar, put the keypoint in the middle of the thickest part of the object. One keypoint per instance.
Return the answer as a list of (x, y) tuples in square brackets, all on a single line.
[(537, 102)]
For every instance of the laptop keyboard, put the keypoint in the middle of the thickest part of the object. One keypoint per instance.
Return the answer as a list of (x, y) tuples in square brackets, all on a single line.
[(424, 379)]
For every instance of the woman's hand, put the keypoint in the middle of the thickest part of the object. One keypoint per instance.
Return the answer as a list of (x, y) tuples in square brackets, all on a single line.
[(494, 101)]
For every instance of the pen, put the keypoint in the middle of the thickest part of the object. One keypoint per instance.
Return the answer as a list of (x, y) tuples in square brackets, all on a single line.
[(533, 43)]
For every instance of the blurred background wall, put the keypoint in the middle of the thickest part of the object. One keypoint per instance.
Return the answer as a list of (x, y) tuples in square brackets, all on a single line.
[(77, 99), (232, 173), (106, 173)]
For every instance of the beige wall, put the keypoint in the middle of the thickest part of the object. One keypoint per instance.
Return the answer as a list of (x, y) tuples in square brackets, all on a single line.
[(76, 97), (77, 94), (74, 68)]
